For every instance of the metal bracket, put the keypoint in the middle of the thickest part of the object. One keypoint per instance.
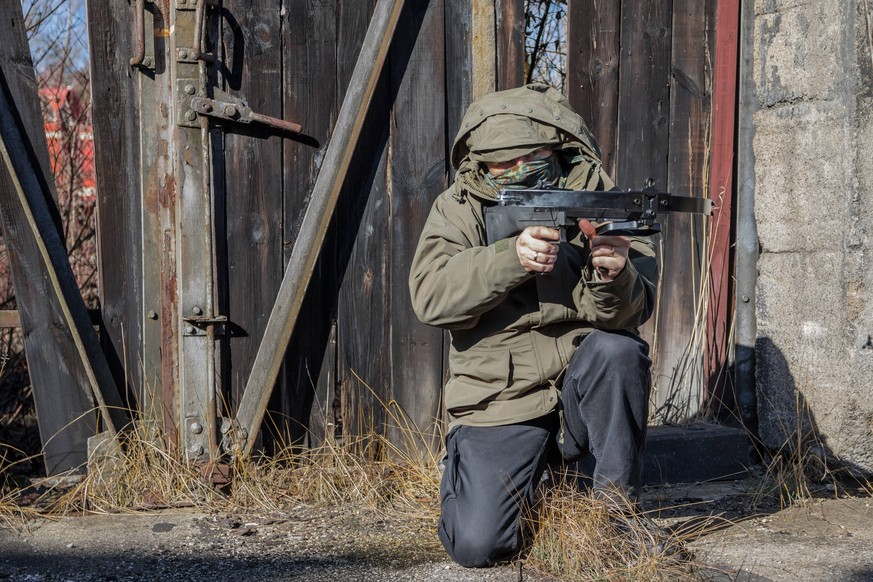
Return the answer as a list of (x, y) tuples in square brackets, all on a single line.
[(186, 55), (195, 425), (197, 325), (186, 116)]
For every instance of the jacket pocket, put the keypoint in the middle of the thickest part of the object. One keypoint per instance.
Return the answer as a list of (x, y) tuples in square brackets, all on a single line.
[(478, 377)]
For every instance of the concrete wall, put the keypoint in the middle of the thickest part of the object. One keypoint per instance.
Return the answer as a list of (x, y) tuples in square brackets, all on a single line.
[(813, 174)]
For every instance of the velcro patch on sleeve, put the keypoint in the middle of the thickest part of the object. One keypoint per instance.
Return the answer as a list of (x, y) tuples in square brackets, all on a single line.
[(501, 245)]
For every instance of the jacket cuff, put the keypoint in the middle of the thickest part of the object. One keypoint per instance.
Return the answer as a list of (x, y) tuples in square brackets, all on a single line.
[(624, 280)]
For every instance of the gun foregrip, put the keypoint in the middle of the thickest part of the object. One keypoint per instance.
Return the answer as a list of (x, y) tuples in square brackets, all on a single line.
[(628, 228)]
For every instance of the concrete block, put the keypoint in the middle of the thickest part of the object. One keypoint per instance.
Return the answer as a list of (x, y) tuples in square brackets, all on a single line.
[(701, 452)]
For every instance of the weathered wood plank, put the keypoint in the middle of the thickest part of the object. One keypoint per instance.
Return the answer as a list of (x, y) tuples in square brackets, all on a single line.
[(459, 66), (157, 264), (68, 371), (9, 318), (363, 321), (721, 191), (253, 192), (116, 119), (678, 358), (483, 45), (417, 173), (644, 93), (593, 61), (305, 405), (510, 44), (363, 329)]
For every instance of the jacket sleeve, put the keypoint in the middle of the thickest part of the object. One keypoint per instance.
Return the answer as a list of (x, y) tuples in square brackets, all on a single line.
[(626, 302), (454, 277)]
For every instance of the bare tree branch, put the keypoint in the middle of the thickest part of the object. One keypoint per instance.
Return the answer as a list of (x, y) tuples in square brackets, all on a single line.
[(545, 42)]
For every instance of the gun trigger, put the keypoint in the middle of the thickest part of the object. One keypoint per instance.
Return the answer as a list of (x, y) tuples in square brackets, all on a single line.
[(563, 232)]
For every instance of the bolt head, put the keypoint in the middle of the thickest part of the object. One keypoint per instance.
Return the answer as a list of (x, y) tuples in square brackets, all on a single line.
[(152, 315), (230, 110), (190, 89), (190, 115), (196, 427), (183, 53), (197, 310)]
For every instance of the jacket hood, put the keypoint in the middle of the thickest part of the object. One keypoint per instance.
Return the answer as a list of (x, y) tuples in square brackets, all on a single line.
[(541, 103)]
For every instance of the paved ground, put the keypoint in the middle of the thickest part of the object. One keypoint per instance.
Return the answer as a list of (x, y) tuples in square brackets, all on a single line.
[(829, 540), (826, 541)]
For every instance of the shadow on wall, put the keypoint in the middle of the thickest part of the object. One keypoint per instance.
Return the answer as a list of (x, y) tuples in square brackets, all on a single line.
[(787, 425)]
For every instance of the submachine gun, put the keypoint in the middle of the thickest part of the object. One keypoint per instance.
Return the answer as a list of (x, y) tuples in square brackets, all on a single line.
[(615, 212)]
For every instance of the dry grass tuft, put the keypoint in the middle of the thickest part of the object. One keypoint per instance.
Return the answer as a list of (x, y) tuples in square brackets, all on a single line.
[(365, 473), (577, 536), (793, 472), (136, 473), (786, 478), (12, 514), (143, 470)]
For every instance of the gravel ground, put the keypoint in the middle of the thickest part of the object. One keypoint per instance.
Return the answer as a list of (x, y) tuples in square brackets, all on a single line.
[(189, 545), (825, 540)]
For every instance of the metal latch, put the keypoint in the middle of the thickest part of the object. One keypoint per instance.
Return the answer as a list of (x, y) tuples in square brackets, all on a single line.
[(237, 112)]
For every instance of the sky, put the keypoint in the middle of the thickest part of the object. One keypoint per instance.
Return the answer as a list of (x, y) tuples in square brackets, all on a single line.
[(56, 28)]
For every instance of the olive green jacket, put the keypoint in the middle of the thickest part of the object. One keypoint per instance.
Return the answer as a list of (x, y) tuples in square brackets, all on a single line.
[(513, 333)]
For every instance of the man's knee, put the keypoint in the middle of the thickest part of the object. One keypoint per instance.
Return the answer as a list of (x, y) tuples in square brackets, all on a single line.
[(475, 545), (619, 347)]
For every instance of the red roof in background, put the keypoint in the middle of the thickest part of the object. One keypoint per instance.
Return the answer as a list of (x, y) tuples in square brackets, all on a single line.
[(66, 115)]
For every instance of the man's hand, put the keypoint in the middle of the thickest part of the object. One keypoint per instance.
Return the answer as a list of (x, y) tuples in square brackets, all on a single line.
[(608, 253), (535, 253)]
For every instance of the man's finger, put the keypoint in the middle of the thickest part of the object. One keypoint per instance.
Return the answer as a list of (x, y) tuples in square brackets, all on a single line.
[(587, 228), (543, 232)]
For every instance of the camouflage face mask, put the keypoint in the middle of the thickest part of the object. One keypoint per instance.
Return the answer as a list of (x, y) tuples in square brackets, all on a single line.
[(527, 174)]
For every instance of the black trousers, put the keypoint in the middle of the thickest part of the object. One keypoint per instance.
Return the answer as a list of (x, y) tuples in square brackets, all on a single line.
[(491, 473)]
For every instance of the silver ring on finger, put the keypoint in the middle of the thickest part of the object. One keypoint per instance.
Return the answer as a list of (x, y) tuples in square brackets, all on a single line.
[(537, 258)]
